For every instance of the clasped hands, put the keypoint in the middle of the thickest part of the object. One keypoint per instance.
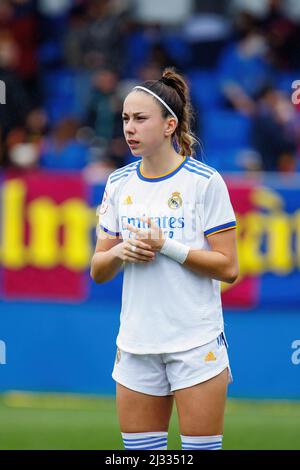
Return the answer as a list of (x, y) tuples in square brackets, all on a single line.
[(144, 243)]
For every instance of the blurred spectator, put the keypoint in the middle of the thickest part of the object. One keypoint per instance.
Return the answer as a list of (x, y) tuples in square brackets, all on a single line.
[(257, 8), (260, 8), (53, 27), (283, 36), (88, 55), (206, 33), (243, 66), (54, 8), (167, 12), (144, 45), (19, 21), (149, 71), (279, 23), (62, 149), (108, 148), (102, 38), (103, 108), (211, 6), (13, 113), (25, 143), (159, 56), (276, 131), (74, 37)]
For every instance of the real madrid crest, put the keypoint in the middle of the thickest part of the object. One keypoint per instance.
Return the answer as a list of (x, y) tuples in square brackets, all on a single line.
[(175, 201)]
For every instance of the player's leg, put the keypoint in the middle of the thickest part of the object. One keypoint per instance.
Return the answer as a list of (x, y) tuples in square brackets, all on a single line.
[(199, 379), (201, 413), (139, 412), (144, 419), (144, 402)]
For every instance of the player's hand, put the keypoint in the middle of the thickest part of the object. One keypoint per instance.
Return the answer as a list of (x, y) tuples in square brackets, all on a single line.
[(134, 251), (152, 236)]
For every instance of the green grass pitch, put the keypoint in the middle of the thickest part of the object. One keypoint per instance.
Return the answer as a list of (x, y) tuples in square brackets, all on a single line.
[(47, 421)]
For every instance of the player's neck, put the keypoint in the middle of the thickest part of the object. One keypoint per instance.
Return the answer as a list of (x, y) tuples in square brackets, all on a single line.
[(159, 164)]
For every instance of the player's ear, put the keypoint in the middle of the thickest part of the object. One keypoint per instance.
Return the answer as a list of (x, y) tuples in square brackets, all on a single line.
[(170, 126)]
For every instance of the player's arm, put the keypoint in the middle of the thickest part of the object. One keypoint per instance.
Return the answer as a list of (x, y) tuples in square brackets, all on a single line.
[(105, 264), (112, 252), (221, 262)]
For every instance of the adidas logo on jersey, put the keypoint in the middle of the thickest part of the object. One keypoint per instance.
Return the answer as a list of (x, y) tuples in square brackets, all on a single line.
[(128, 200), (210, 357)]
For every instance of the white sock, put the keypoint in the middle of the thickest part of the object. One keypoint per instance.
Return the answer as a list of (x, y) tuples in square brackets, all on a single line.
[(145, 440), (201, 442)]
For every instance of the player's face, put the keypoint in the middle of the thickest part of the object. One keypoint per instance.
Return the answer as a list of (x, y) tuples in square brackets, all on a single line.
[(143, 124)]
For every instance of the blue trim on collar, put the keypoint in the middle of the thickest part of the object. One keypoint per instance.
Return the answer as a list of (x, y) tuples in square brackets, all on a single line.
[(159, 178)]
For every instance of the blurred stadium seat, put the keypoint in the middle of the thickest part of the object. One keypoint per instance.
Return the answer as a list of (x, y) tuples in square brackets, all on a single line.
[(205, 89), (222, 129)]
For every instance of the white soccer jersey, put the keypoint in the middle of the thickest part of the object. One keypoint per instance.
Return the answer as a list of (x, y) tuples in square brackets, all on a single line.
[(165, 306)]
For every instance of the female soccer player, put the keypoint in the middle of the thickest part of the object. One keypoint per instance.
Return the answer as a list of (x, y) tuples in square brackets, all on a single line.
[(168, 219)]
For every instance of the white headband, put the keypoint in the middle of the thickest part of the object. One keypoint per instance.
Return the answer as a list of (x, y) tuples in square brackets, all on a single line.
[(159, 99)]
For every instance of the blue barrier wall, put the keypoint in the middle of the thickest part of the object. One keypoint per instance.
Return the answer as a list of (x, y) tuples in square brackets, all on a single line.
[(71, 348)]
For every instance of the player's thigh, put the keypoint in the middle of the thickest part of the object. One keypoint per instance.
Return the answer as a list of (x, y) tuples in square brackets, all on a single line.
[(201, 407), (140, 412)]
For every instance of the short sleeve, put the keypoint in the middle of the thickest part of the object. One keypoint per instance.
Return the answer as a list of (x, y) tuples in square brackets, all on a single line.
[(218, 212), (107, 212)]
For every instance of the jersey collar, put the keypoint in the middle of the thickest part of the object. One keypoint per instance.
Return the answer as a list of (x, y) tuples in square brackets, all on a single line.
[(154, 179)]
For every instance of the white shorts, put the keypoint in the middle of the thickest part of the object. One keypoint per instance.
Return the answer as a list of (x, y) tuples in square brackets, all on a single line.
[(162, 374)]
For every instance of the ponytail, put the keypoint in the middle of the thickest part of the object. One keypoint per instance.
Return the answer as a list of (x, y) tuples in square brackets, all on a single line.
[(173, 89)]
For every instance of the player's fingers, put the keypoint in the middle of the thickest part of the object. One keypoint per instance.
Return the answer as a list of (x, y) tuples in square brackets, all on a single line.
[(137, 253), (137, 244), (145, 254), (136, 258), (150, 222), (139, 256), (141, 248), (131, 228), (128, 259), (142, 245), (143, 234)]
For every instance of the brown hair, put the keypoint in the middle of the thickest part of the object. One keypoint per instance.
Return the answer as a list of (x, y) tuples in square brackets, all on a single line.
[(173, 89)]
